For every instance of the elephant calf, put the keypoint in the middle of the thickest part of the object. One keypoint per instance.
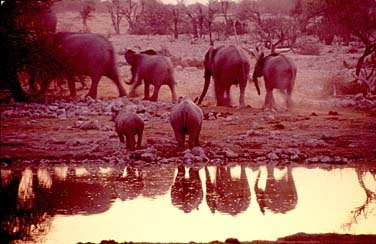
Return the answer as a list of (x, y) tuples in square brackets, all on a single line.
[(153, 69), (128, 125), (186, 118)]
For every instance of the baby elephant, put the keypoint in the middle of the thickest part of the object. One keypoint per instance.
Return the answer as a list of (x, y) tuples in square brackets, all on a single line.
[(186, 118), (128, 125)]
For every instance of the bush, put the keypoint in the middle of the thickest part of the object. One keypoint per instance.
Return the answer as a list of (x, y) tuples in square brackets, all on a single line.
[(309, 48)]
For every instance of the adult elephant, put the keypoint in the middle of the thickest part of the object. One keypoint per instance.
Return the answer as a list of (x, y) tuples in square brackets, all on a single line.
[(279, 72), (86, 54), (153, 69), (228, 65)]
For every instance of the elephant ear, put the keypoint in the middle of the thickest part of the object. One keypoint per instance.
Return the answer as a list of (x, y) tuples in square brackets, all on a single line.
[(130, 56), (149, 52)]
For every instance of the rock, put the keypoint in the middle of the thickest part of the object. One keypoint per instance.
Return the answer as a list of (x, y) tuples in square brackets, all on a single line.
[(148, 157), (87, 125), (333, 113), (314, 143), (199, 154), (272, 156), (61, 114), (230, 154)]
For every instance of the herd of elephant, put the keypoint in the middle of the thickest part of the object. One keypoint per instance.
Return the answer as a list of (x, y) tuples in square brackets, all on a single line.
[(93, 55), (90, 54)]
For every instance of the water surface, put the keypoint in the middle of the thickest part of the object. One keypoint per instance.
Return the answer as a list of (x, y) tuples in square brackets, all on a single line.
[(86, 203)]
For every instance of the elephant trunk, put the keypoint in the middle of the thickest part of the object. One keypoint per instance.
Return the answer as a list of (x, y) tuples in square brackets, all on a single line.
[(133, 76), (255, 80), (206, 86)]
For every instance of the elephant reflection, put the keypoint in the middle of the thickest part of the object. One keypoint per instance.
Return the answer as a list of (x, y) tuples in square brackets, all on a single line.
[(280, 195), (28, 201), (227, 194), (130, 185), (187, 193)]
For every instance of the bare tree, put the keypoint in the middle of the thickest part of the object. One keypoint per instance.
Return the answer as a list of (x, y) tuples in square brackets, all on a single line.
[(132, 12), (87, 7), (212, 10), (116, 11), (177, 14)]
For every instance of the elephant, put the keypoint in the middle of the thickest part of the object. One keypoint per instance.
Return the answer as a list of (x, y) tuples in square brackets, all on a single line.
[(84, 54), (279, 72), (186, 118), (228, 65), (187, 193), (226, 194), (128, 125), (153, 69), (280, 195)]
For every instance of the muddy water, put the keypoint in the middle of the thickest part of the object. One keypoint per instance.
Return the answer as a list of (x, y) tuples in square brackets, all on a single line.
[(70, 204)]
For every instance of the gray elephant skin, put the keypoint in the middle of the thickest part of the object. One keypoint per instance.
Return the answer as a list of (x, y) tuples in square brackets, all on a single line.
[(128, 125), (186, 118), (279, 72), (228, 65), (85, 54), (153, 69)]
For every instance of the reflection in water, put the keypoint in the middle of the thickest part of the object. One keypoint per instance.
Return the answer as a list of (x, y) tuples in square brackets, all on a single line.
[(25, 190), (363, 211), (47, 201), (187, 193), (227, 194), (130, 185), (280, 195)]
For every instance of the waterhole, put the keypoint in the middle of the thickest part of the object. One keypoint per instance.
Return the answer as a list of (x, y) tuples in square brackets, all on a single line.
[(66, 203)]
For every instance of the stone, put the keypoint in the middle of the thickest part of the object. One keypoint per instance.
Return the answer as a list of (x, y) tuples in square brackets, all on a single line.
[(230, 154), (61, 114)]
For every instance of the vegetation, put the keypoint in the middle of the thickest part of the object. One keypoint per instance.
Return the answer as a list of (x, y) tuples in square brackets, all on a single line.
[(264, 23)]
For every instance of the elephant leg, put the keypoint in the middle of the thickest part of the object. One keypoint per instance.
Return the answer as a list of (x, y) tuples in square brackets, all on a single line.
[(146, 91), (156, 91), (139, 140), (121, 90), (173, 93), (94, 86), (180, 137), (72, 87), (121, 137), (132, 93), (242, 87), (219, 92), (268, 100), (288, 100), (227, 96), (130, 142), (191, 140), (197, 138)]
